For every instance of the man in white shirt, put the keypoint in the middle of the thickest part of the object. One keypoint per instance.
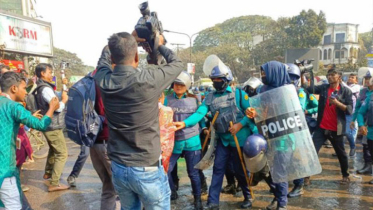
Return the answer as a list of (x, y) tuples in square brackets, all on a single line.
[(57, 155)]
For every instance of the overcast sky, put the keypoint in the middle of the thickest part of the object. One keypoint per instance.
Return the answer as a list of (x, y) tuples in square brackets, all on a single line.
[(83, 26)]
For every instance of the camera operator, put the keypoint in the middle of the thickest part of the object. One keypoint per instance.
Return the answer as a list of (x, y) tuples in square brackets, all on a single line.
[(130, 97), (334, 104)]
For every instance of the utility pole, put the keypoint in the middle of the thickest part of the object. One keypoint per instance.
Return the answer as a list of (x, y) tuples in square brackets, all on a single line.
[(177, 47)]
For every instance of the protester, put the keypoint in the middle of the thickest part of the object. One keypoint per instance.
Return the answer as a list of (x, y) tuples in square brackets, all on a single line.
[(100, 160), (130, 99), (351, 131), (364, 93), (366, 115), (243, 127), (274, 74), (24, 151), (334, 104), (78, 166), (187, 141), (57, 155), (4, 68), (12, 113)]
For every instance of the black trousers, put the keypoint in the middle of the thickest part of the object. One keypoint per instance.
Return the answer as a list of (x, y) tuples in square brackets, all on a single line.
[(370, 145), (321, 135)]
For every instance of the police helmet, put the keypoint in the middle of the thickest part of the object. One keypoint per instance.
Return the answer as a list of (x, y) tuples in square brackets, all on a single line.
[(368, 75), (254, 151), (184, 79), (294, 73), (215, 68), (253, 82)]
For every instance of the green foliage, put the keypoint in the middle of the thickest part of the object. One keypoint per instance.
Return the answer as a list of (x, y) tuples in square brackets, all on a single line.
[(76, 65), (233, 40), (366, 40), (306, 29)]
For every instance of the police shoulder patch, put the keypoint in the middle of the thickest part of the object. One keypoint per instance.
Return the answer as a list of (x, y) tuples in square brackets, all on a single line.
[(246, 97), (301, 95)]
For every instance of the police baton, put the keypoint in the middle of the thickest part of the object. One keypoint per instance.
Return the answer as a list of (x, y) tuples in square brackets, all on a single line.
[(242, 163), (208, 135)]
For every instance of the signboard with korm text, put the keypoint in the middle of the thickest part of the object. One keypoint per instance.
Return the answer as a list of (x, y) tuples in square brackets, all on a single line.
[(25, 35)]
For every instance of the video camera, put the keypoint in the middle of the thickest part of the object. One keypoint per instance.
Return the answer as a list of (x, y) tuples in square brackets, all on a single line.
[(304, 65), (150, 28)]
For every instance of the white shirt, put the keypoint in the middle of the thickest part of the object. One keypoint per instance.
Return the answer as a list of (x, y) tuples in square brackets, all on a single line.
[(48, 94)]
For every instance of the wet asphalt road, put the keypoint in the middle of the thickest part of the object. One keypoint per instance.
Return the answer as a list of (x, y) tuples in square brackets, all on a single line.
[(324, 193)]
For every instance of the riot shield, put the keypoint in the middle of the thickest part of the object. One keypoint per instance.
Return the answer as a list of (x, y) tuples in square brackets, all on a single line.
[(291, 153), (208, 160)]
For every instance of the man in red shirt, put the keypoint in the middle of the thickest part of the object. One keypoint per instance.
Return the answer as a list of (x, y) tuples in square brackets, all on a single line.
[(334, 104)]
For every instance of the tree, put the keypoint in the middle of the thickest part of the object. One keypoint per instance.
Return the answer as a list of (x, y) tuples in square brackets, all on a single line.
[(306, 29)]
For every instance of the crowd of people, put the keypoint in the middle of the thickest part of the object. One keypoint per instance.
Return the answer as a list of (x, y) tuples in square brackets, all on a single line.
[(134, 162)]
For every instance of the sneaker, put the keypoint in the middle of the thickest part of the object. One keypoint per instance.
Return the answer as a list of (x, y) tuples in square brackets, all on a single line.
[(345, 180), (273, 205), (246, 204), (47, 176), (352, 152), (71, 181), (229, 189)]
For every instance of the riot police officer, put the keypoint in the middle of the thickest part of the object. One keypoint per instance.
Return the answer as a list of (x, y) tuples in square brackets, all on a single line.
[(274, 75), (252, 85), (364, 93), (365, 114), (187, 140), (230, 105), (295, 75)]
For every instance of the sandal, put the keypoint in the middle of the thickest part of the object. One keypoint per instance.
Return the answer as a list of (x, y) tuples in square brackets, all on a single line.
[(47, 176), (345, 180)]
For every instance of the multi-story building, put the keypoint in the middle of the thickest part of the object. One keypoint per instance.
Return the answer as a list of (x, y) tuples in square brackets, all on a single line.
[(19, 7), (22, 8), (339, 44)]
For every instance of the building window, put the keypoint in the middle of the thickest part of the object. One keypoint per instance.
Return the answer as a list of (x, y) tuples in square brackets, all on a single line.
[(342, 53), (320, 56), (325, 55), (339, 37), (327, 39), (329, 54)]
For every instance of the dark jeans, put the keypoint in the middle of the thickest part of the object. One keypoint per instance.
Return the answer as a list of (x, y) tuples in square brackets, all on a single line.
[(320, 136), (298, 182), (229, 172), (222, 158), (366, 154), (79, 163), (174, 176), (191, 158), (280, 191), (370, 146)]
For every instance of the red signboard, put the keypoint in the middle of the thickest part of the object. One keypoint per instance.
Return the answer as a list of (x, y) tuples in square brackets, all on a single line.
[(14, 65)]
